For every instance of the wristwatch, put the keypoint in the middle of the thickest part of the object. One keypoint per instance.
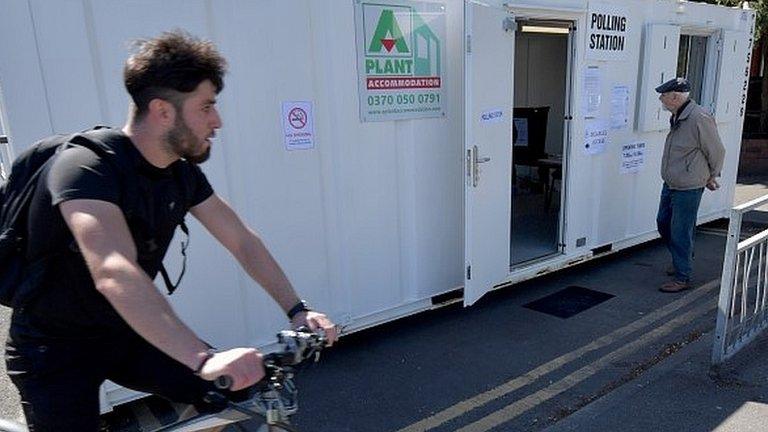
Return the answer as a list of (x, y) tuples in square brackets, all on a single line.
[(301, 306), (209, 353)]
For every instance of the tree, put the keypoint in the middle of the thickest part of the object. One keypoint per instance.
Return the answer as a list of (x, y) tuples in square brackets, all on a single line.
[(759, 6), (761, 37)]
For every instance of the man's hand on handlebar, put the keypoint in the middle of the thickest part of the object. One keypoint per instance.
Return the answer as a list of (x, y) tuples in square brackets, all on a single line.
[(317, 321), (244, 366)]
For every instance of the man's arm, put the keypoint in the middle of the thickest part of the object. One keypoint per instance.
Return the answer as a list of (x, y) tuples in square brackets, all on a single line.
[(712, 147), (103, 237), (227, 227)]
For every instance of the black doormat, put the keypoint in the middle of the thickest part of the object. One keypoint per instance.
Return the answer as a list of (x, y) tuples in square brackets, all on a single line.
[(569, 301)]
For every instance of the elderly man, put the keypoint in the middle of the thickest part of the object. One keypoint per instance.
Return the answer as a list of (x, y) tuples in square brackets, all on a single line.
[(693, 158)]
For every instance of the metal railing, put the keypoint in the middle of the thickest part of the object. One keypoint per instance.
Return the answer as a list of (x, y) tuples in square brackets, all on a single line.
[(743, 306), (5, 157)]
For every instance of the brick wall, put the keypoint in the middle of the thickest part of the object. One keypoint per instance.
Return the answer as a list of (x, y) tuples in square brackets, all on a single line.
[(754, 157)]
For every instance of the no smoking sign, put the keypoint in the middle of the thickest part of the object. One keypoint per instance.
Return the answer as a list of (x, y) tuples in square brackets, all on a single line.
[(297, 118), (298, 125)]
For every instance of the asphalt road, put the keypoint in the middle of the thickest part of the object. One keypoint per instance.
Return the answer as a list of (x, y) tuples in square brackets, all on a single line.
[(500, 366)]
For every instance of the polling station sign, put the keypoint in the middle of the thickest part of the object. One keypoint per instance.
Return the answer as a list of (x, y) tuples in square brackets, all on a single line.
[(400, 59), (608, 28)]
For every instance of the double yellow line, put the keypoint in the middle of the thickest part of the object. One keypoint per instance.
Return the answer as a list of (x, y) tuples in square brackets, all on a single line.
[(520, 406)]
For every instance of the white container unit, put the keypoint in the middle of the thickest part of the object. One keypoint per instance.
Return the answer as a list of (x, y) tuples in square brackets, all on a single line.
[(380, 219)]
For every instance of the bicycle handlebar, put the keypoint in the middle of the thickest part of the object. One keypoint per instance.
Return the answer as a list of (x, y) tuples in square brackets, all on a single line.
[(298, 346), (275, 397)]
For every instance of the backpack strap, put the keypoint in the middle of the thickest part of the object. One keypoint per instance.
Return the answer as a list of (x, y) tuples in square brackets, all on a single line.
[(101, 140), (170, 286)]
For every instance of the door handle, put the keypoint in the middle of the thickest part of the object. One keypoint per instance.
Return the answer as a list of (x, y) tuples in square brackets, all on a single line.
[(475, 168)]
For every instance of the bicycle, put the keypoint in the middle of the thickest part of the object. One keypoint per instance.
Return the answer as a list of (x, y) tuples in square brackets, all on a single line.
[(274, 399)]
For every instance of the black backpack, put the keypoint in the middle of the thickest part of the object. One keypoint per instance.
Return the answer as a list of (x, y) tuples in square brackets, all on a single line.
[(18, 277)]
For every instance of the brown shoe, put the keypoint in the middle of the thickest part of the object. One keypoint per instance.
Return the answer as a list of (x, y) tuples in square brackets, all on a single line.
[(674, 286)]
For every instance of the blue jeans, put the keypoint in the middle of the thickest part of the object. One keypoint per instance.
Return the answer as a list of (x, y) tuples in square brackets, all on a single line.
[(676, 221)]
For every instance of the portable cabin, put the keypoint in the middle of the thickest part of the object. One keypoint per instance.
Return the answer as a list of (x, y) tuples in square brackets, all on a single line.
[(396, 155)]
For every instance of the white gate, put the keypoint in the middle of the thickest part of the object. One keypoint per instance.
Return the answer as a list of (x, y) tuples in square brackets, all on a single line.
[(6, 152), (5, 157), (742, 311)]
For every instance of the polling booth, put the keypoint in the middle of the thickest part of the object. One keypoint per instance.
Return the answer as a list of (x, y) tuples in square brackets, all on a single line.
[(398, 155)]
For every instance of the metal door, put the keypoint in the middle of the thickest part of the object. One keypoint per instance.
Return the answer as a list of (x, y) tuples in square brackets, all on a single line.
[(489, 67)]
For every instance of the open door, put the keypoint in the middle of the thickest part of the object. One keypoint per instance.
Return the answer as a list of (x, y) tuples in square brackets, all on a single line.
[(734, 57), (488, 67)]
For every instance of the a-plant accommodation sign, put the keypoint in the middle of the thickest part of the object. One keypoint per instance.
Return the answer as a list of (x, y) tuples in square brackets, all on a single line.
[(401, 59)]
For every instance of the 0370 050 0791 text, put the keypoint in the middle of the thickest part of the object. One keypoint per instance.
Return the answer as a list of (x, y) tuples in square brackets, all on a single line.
[(403, 99)]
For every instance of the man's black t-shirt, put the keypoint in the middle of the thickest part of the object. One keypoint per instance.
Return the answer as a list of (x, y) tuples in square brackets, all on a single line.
[(153, 200)]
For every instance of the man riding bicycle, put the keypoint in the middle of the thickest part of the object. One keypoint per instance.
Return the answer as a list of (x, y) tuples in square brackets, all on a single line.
[(97, 315)]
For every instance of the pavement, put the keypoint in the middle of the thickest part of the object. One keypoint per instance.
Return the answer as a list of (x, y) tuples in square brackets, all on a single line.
[(638, 361), (685, 392)]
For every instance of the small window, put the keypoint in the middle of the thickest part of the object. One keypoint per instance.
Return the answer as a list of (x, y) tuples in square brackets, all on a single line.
[(691, 62)]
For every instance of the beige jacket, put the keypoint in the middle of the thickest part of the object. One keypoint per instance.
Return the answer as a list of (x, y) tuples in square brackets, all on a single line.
[(693, 152)]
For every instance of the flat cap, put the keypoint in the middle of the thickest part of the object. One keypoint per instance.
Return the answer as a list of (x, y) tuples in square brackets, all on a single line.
[(680, 85)]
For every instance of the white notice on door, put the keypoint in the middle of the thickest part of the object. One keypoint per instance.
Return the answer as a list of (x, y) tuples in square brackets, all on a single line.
[(595, 136), (298, 125), (492, 116)]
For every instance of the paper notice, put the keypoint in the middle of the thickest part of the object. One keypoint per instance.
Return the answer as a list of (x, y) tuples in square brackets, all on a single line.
[(619, 107), (596, 136)]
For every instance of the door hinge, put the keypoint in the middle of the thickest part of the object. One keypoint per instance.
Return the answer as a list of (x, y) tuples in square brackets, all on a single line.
[(509, 25), (469, 272), (469, 43)]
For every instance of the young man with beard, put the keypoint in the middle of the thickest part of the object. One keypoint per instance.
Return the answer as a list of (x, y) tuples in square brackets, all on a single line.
[(692, 160), (97, 314)]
